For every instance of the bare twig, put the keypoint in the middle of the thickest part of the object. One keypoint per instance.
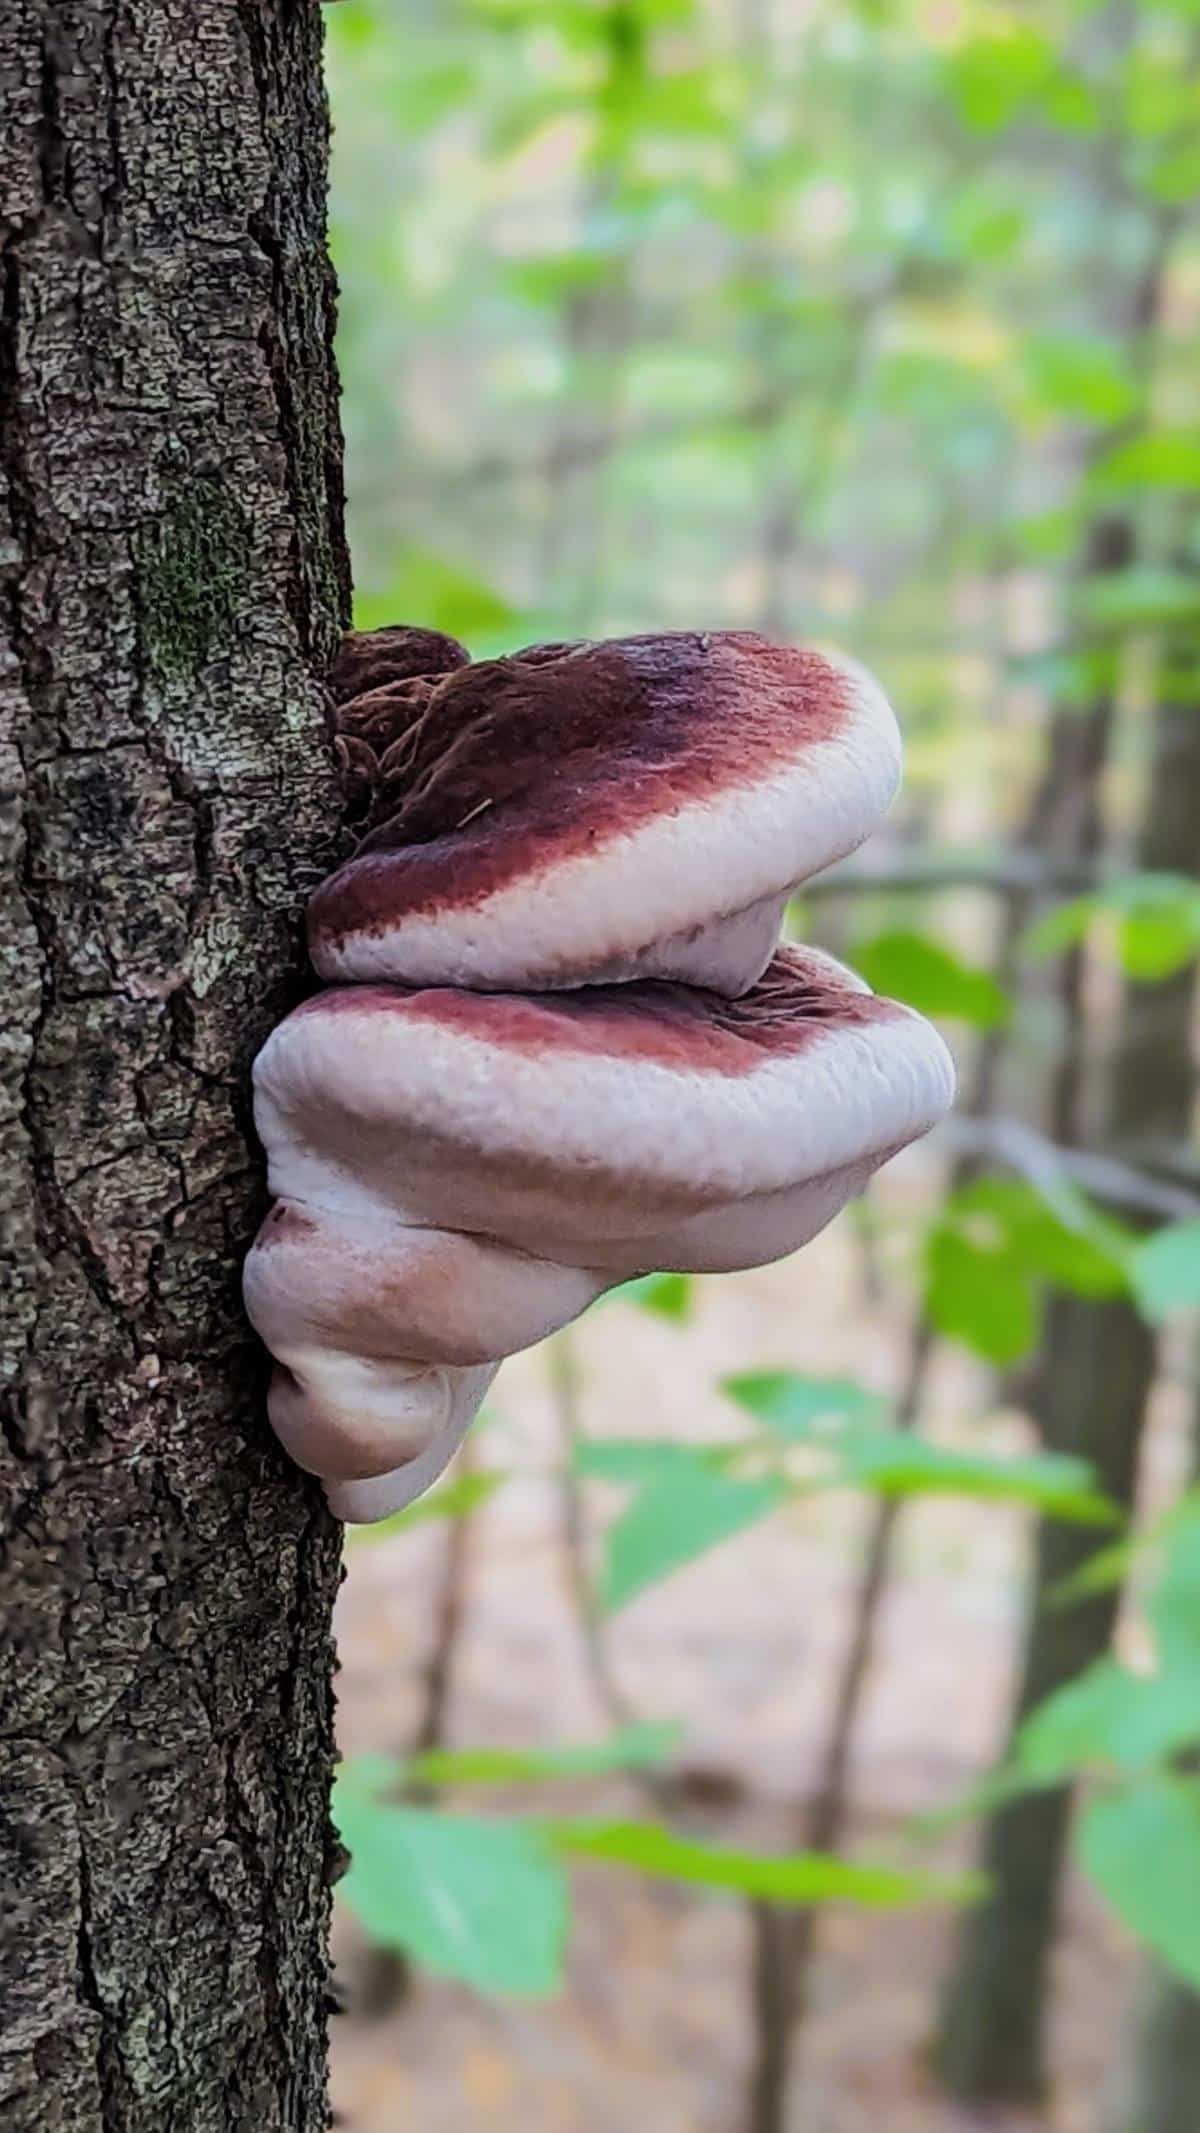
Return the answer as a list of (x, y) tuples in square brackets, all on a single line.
[(785, 1942), (1015, 871), (450, 1614), (564, 1384), (1050, 1167)]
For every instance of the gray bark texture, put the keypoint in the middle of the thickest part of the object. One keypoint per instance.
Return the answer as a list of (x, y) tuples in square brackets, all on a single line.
[(172, 583)]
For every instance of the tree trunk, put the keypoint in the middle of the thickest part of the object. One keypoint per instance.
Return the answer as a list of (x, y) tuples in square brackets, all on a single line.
[(1159, 2088), (1097, 1373), (1089, 1395), (172, 580), (1165, 2095)]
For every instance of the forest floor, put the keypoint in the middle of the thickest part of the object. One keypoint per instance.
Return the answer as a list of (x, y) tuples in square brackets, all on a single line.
[(653, 2028)]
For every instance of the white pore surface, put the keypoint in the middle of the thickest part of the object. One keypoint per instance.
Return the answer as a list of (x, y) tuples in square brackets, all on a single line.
[(686, 895)]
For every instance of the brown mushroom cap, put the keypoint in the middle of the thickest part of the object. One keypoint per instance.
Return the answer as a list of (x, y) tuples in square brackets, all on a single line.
[(584, 813), (375, 659)]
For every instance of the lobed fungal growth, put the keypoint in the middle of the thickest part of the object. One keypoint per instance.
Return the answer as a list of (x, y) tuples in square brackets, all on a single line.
[(562, 1046)]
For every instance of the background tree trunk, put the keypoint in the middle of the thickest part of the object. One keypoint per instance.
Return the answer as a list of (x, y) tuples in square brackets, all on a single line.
[(172, 579), (1089, 1395), (1164, 2085)]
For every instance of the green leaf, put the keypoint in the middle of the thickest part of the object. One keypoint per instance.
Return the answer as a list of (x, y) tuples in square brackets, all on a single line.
[(1174, 1537), (424, 588), (1144, 599), (802, 1878), (641, 1459), (1159, 924), (1160, 459), (1049, 536), (1072, 105), (1175, 1605), (1104, 1571), (353, 27), (994, 75), (479, 1900), (1173, 174), (1067, 1240), (799, 1407), (1156, 917), (1154, 945), (1064, 927), (1109, 1718), (1161, 94), (927, 975), (1165, 1271), (982, 225), (901, 1463), (1141, 1847), (640, 1746), (839, 1417), (455, 1499), (1079, 375), (997, 1239), (981, 1295), (553, 277), (665, 1295), (677, 1517), (687, 101)]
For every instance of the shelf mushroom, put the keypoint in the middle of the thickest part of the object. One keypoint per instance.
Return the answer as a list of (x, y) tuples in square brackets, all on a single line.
[(566, 1048)]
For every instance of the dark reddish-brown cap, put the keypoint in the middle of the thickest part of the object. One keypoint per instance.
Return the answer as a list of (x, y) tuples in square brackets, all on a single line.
[(374, 659), (584, 813)]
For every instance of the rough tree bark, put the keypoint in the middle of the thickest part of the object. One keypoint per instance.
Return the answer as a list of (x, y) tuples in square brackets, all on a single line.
[(172, 579)]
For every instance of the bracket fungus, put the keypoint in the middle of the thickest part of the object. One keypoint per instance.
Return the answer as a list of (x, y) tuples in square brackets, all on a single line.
[(563, 1046)]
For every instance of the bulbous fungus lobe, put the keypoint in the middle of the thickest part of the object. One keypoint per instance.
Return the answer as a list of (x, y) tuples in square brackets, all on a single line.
[(566, 1047)]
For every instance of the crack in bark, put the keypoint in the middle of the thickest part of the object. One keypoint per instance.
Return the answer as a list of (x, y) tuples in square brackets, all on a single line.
[(90, 1992), (31, 673), (51, 145), (110, 194)]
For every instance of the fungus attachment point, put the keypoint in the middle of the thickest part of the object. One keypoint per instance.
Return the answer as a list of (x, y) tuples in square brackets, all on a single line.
[(536, 1106)]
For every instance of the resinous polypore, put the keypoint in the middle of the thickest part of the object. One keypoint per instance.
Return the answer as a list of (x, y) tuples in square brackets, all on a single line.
[(560, 1044)]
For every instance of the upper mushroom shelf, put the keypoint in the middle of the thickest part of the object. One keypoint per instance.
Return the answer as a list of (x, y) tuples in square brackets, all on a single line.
[(583, 814)]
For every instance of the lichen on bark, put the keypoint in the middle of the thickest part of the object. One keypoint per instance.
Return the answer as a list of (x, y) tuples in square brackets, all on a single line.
[(192, 563), (172, 583)]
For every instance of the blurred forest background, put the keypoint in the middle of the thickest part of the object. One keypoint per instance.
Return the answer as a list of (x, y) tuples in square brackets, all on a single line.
[(786, 1714)]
